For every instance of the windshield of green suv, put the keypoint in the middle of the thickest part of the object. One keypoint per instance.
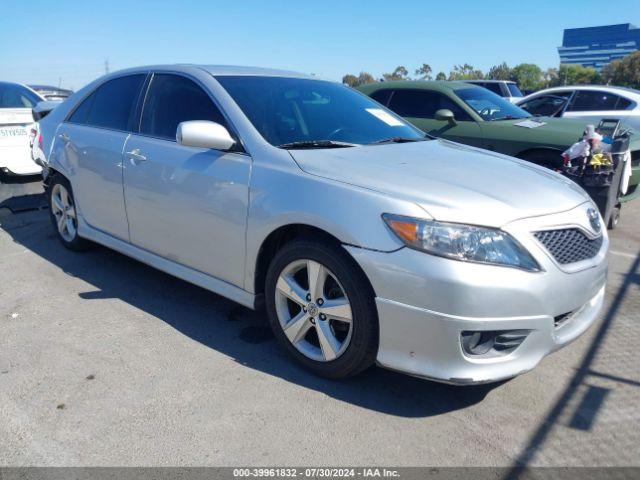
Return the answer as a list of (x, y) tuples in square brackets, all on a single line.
[(308, 113), (490, 106)]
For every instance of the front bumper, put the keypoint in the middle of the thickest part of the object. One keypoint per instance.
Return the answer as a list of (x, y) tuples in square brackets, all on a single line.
[(425, 303)]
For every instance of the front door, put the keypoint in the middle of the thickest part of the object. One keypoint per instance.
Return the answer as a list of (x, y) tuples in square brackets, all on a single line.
[(186, 204)]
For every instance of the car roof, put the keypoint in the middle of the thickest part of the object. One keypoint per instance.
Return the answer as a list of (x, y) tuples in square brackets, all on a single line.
[(480, 80), (624, 91), (218, 70), (442, 86)]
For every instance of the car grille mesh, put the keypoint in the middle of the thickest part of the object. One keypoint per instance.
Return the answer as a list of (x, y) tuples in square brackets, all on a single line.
[(569, 245)]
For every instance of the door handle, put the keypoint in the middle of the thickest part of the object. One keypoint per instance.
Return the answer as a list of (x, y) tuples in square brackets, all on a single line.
[(64, 137), (136, 156)]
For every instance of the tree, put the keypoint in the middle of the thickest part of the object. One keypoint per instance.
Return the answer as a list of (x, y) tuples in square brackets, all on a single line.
[(624, 72), (577, 75), (499, 72), (361, 79), (424, 72), (465, 72), (528, 76), (350, 80), (365, 78), (400, 73), (441, 76)]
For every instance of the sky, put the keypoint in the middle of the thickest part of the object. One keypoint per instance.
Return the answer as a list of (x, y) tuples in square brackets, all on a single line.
[(67, 42)]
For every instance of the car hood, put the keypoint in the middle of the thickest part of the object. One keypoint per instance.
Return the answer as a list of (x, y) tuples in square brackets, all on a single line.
[(452, 182)]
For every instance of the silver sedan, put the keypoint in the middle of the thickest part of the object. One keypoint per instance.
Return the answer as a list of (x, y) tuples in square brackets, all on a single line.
[(364, 240)]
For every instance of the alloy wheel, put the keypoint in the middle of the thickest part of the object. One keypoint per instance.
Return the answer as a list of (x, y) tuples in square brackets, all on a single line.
[(313, 310), (64, 212)]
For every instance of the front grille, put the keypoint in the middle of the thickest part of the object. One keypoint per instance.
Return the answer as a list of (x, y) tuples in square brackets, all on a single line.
[(569, 245)]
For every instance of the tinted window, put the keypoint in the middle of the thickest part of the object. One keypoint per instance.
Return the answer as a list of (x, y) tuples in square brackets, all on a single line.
[(424, 104), (286, 110), (514, 90), (623, 104), (112, 103), (16, 96), (545, 105), (382, 96), (81, 112), (494, 87), (173, 99), (585, 100)]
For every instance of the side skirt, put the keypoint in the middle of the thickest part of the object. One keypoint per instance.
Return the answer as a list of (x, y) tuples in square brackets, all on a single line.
[(172, 268)]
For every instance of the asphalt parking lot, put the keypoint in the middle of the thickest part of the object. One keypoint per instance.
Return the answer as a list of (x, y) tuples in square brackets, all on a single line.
[(105, 361)]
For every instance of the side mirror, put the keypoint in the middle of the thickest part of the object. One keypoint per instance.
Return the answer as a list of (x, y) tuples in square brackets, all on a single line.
[(204, 134), (446, 115)]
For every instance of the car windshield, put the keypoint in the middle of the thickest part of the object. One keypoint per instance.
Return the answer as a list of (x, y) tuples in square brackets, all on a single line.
[(17, 96), (490, 106), (308, 113), (514, 90)]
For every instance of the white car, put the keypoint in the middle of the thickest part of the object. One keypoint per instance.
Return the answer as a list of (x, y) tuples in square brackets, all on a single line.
[(588, 102), (16, 121)]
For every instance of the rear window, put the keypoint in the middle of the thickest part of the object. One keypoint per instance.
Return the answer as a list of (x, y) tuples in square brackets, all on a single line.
[(17, 96)]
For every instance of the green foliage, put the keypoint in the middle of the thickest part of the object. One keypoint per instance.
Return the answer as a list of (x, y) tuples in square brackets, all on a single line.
[(499, 72), (624, 72), (528, 76), (400, 73), (424, 72), (576, 75), (361, 79), (441, 76), (465, 72)]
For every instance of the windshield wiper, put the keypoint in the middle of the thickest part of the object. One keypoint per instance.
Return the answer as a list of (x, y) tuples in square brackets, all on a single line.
[(317, 144), (399, 140)]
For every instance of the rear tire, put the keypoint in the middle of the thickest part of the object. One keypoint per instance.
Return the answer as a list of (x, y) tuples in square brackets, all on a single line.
[(343, 294), (63, 213)]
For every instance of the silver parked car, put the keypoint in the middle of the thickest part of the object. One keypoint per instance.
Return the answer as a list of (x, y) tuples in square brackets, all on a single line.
[(365, 240)]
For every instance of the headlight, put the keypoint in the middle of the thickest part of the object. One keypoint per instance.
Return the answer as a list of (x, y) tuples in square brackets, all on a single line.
[(461, 242)]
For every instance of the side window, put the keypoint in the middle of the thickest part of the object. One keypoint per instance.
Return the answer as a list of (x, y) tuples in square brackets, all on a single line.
[(382, 96), (424, 104), (586, 100), (623, 104), (172, 99), (545, 105), (112, 103), (82, 110), (494, 87)]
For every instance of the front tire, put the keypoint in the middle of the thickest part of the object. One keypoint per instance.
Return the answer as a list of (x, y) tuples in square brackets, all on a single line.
[(321, 308), (63, 213)]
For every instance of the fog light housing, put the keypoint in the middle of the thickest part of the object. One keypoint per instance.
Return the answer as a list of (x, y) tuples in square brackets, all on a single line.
[(487, 343)]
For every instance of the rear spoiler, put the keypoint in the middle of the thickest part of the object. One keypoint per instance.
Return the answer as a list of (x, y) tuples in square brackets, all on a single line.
[(42, 109)]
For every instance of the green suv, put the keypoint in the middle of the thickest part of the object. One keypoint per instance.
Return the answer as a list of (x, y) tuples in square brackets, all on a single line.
[(475, 116)]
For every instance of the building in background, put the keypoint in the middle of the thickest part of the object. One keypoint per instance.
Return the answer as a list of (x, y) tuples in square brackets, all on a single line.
[(597, 46)]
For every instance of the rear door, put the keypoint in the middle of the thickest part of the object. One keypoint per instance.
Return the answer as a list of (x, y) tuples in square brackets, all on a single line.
[(420, 106), (185, 204), (89, 146)]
